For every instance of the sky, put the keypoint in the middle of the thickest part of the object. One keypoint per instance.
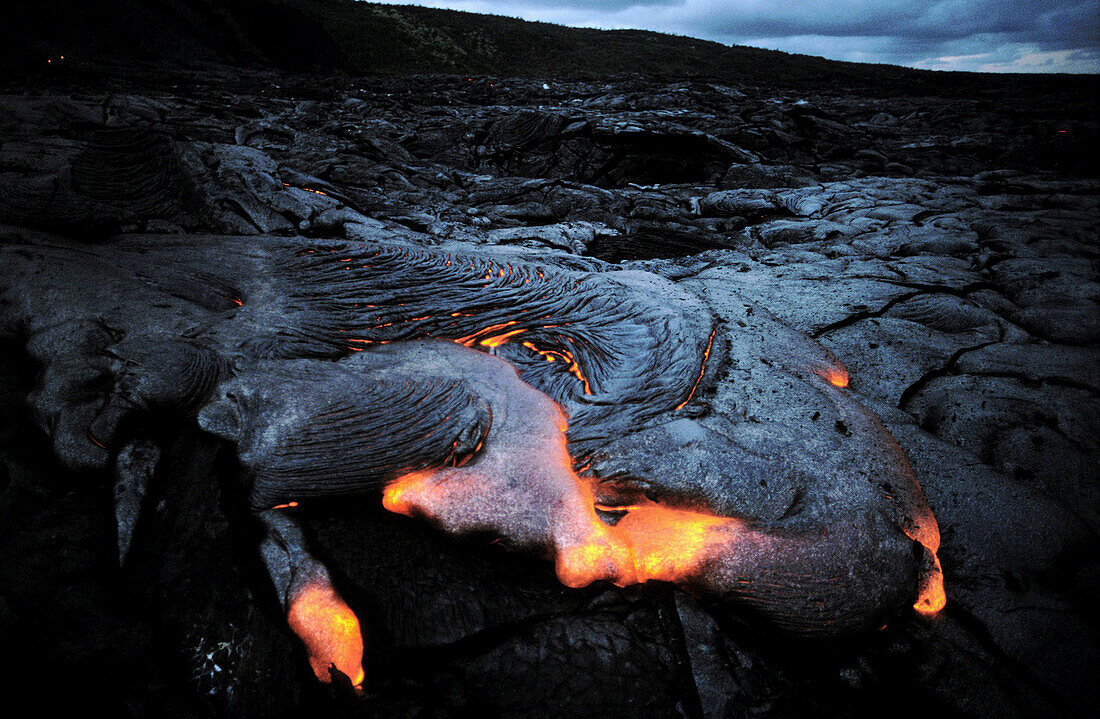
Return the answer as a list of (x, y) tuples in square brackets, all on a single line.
[(975, 35)]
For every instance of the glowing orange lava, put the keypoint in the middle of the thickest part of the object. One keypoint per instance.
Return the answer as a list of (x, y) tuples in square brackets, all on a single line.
[(548, 355), (307, 189), (931, 596), (565, 356), (395, 496), (651, 542), (529, 492), (498, 340), (670, 544), (471, 339), (330, 631), (837, 377), (702, 371)]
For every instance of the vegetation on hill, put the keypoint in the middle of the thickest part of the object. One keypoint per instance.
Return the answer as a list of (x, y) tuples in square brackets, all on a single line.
[(359, 38), (402, 39)]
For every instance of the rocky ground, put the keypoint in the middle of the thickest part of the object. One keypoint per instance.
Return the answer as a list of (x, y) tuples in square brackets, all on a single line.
[(943, 246)]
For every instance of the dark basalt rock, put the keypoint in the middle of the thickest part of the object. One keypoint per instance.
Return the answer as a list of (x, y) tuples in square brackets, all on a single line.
[(120, 176), (564, 146)]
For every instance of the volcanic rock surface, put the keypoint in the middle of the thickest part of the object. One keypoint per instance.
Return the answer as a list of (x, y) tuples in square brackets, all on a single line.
[(944, 248)]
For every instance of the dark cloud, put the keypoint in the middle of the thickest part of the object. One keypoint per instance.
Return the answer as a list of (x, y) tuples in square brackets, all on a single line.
[(1049, 24), (588, 4), (991, 35)]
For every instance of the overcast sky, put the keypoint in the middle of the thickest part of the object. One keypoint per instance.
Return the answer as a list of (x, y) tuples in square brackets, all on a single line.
[(981, 35)]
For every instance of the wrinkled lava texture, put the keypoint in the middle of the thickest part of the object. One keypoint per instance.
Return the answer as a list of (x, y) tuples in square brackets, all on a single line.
[(943, 246)]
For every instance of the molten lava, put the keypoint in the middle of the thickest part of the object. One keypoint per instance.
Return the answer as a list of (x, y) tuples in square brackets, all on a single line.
[(307, 189), (931, 596), (524, 487), (837, 377), (565, 356), (329, 630), (498, 340), (651, 542), (396, 497), (702, 371), (670, 544)]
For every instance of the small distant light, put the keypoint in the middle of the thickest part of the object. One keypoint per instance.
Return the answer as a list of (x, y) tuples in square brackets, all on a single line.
[(48, 61), (1062, 132), (62, 57)]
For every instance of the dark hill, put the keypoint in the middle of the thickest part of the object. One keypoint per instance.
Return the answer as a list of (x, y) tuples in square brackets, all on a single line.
[(359, 38)]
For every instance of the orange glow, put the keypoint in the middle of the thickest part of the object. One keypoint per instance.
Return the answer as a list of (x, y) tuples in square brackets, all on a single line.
[(837, 377), (575, 370), (931, 596), (288, 505), (672, 545), (580, 564), (547, 354), (329, 630), (395, 497), (531, 494), (487, 497), (498, 340), (470, 339), (702, 371), (652, 542), (565, 356), (307, 189)]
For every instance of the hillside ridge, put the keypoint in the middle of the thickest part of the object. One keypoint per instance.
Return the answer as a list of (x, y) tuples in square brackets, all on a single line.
[(357, 38)]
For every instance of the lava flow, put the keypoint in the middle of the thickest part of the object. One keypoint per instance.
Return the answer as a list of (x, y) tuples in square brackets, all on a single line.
[(836, 376), (670, 544), (649, 541), (329, 630), (931, 596), (523, 488)]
